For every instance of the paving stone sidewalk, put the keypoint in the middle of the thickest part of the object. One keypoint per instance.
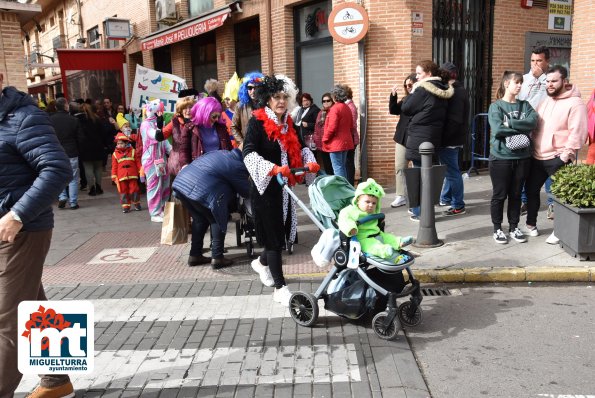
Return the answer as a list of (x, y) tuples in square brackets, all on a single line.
[(229, 339)]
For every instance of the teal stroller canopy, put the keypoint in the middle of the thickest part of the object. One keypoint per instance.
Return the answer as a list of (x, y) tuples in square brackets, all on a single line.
[(328, 195)]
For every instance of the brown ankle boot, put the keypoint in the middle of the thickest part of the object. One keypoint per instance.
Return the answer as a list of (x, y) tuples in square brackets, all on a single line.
[(63, 391)]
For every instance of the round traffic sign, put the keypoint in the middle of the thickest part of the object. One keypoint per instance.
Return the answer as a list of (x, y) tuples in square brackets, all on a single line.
[(348, 23)]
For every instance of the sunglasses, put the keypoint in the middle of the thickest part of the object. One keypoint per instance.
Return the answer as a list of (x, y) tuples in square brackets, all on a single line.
[(250, 88), (409, 85), (327, 100)]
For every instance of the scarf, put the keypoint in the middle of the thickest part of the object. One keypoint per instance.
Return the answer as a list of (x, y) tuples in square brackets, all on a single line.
[(285, 134)]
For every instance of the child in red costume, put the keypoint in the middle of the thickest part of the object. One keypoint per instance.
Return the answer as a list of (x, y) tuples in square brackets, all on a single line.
[(126, 171)]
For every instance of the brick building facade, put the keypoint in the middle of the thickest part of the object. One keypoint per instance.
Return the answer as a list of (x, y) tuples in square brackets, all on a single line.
[(391, 49)]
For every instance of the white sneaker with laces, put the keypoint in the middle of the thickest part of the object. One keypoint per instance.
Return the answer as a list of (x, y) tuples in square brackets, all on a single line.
[(282, 296), (531, 231), (399, 201), (552, 239), (500, 237), (518, 235), (157, 219), (264, 272)]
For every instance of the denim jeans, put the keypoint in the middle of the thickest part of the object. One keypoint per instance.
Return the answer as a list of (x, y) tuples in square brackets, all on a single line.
[(202, 218), (453, 188), (416, 210), (72, 190), (339, 161)]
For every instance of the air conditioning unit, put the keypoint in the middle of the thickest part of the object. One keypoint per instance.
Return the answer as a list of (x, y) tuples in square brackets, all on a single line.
[(165, 11)]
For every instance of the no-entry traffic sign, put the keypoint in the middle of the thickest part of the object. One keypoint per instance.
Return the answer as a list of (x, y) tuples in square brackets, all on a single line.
[(348, 23)]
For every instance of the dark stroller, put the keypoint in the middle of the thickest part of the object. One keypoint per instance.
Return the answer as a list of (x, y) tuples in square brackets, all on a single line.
[(358, 284)]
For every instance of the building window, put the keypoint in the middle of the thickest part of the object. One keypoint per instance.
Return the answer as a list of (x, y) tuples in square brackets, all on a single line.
[(94, 37), (313, 49), (162, 59), (204, 59), (247, 43), (111, 43), (197, 7), (52, 22)]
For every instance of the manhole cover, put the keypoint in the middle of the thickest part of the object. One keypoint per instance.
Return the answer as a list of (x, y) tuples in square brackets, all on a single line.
[(240, 266)]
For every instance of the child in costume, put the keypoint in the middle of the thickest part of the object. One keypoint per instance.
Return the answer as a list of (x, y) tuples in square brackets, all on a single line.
[(372, 240), (126, 169), (154, 160), (124, 125)]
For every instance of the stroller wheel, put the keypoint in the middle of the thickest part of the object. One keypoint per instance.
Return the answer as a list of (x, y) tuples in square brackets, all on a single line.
[(410, 316), (239, 233), (303, 308), (388, 333)]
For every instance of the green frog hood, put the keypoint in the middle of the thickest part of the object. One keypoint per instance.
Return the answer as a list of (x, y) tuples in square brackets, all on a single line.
[(369, 187)]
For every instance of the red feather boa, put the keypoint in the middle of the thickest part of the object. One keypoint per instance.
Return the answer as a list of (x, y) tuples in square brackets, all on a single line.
[(289, 141)]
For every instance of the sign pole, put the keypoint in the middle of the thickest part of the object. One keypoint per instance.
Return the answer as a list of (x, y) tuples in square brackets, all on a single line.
[(363, 110)]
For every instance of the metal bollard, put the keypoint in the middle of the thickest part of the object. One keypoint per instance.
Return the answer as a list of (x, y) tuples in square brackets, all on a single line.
[(426, 235)]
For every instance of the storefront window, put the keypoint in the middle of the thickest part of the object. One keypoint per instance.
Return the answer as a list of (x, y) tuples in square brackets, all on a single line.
[(204, 59), (162, 59), (314, 49), (197, 7), (247, 44)]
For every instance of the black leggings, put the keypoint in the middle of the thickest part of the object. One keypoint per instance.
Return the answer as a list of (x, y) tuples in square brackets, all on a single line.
[(272, 259), (508, 177)]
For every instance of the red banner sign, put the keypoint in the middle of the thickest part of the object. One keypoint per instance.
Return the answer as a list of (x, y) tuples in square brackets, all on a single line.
[(185, 32)]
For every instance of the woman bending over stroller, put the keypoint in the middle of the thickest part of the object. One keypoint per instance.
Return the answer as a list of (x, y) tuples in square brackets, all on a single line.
[(372, 240), (271, 146)]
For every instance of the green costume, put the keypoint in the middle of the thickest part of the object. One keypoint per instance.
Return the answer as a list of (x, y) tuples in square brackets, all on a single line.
[(373, 241)]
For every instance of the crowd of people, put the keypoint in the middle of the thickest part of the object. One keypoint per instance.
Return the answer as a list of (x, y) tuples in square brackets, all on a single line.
[(214, 149)]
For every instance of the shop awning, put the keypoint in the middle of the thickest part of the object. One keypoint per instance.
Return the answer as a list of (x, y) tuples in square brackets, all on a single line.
[(190, 28)]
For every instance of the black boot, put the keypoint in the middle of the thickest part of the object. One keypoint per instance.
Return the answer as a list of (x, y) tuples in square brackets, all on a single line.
[(92, 191), (220, 262), (98, 189)]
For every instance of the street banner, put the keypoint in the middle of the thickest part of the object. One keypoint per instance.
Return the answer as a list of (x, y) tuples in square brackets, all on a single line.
[(150, 84)]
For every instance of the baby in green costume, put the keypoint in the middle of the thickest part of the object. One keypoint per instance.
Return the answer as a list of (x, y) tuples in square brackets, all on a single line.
[(372, 240)]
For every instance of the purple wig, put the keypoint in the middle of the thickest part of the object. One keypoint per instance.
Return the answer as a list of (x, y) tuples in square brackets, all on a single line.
[(201, 111)]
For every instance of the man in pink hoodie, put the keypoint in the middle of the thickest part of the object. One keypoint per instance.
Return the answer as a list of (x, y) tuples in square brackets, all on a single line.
[(561, 131)]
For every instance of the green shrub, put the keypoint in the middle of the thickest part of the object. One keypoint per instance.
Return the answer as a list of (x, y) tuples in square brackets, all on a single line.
[(575, 185)]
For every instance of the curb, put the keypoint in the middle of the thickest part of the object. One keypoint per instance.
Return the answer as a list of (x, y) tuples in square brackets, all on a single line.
[(493, 274)]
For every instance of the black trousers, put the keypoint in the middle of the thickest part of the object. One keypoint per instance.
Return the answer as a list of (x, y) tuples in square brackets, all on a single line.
[(350, 166), (272, 259), (508, 177), (539, 171)]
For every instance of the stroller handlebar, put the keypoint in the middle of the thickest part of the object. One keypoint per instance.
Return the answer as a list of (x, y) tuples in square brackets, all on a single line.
[(298, 171), (377, 216)]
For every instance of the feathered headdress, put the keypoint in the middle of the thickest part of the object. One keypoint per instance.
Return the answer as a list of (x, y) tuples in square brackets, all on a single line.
[(232, 87), (254, 78)]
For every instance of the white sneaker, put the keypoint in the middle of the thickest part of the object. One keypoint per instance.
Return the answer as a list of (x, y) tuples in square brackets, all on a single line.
[(157, 219), (500, 237), (517, 235), (265, 273), (282, 296), (399, 201), (552, 239), (531, 231)]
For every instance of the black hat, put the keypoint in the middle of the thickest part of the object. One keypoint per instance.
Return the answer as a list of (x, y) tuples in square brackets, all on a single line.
[(188, 92), (449, 67)]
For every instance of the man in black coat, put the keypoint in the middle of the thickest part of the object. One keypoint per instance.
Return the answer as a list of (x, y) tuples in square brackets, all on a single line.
[(453, 139), (33, 170), (68, 131)]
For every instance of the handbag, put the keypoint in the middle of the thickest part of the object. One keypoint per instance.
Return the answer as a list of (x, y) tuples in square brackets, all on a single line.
[(176, 225), (160, 168), (517, 142)]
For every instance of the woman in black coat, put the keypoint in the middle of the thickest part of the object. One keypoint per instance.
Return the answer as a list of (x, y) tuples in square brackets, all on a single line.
[(400, 138), (306, 120), (427, 107), (94, 143)]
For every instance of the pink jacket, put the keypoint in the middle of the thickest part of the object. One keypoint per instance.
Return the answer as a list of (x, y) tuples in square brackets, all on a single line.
[(354, 132), (562, 126)]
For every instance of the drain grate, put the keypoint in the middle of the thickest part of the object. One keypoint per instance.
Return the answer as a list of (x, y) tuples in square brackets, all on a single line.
[(438, 292)]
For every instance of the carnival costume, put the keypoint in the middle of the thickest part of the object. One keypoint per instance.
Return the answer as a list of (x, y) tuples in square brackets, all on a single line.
[(126, 169), (153, 161)]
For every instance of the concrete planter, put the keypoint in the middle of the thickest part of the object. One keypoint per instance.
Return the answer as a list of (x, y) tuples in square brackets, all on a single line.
[(575, 228)]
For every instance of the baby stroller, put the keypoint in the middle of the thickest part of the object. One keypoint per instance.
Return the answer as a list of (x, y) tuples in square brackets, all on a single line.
[(245, 226), (358, 284)]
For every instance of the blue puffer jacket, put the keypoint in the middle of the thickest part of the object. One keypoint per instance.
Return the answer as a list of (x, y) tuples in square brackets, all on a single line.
[(213, 179), (33, 165)]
